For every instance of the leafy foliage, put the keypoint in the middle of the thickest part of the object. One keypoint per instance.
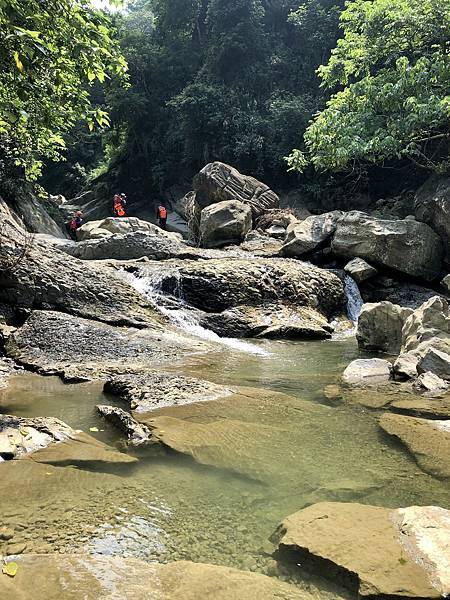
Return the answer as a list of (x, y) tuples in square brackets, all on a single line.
[(230, 80), (394, 69), (51, 53)]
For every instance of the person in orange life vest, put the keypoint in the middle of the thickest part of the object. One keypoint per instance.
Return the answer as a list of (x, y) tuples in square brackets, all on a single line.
[(75, 223), (120, 201), (161, 215)]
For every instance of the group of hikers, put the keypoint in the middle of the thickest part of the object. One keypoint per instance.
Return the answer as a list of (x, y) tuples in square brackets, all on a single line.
[(119, 210)]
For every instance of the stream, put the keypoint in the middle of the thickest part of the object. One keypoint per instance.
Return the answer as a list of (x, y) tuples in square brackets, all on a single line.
[(167, 507)]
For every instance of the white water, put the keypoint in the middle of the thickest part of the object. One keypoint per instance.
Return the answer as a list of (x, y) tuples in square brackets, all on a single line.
[(183, 316), (354, 300)]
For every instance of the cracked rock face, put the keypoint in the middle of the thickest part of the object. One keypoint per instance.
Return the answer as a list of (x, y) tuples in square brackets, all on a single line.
[(377, 551)]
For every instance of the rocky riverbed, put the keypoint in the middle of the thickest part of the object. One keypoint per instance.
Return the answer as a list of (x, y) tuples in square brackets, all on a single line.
[(159, 448)]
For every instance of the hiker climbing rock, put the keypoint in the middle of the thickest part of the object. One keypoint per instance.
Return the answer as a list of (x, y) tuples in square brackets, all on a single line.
[(75, 223), (161, 215), (120, 202)]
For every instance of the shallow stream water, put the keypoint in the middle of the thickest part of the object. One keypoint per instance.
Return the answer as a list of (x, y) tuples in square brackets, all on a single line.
[(298, 450)]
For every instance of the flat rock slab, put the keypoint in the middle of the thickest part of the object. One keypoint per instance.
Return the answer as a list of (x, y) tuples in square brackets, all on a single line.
[(378, 552), (150, 391), (72, 577), (428, 440), (435, 408), (81, 450), (54, 343)]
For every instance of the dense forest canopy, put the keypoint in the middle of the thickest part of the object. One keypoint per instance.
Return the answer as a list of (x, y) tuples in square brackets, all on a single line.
[(239, 81)]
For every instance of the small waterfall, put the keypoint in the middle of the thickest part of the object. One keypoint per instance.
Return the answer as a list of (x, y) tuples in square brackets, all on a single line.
[(181, 314), (354, 300)]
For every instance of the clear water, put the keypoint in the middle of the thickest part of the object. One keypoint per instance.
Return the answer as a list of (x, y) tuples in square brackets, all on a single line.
[(168, 507)]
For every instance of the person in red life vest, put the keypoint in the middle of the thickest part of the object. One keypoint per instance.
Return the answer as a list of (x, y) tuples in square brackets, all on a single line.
[(75, 223), (161, 215), (120, 202)]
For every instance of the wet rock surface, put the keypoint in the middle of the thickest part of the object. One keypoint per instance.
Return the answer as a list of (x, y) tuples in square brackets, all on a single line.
[(136, 433), (149, 391), (215, 285), (406, 556), (79, 349), (427, 440), (106, 577), (404, 245)]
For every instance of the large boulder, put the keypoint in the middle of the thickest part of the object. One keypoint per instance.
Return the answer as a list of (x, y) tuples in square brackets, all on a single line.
[(378, 552), (311, 234), (406, 246), (72, 576), (124, 225), (217, 182), (370, 371), (225, 223), (34, 274), (380, 327), (432, 206), (428, 440), (429, 321)]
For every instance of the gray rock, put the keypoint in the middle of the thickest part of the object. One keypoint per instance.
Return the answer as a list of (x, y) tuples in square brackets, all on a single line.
[(360, 270), (225, 223), (276, 231), (380, 327), (369, 371), (137, 433), (217, 182), (405, 365), (435, 361), (154, 390), (431, 320), (46, 277), (406, 246), (311, 234), (218, 284), (77, 349), (432, 206), (446, 283), (429, 382)]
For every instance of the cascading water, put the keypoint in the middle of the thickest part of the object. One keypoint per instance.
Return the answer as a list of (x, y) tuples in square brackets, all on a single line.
[(354, 300), (181, 314)]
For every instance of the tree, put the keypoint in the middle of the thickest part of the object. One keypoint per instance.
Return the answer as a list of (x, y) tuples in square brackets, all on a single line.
[(392, 65), (51, 53)]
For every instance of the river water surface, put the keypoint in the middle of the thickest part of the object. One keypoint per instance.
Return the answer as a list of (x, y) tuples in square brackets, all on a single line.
[(294, 451)]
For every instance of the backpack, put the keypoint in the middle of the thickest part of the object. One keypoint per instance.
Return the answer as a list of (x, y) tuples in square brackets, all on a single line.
[(162, 212), (73, 225)]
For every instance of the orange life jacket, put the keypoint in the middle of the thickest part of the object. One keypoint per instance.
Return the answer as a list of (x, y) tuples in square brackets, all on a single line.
[(162, 212), (118, 208)]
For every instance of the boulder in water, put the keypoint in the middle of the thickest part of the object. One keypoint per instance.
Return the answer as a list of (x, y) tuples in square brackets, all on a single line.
[(311, 234), (360, 270), (137, 433), (406, 246), (380, 327), (378, 552), (367, 372), (429, 382), (225, 223)]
